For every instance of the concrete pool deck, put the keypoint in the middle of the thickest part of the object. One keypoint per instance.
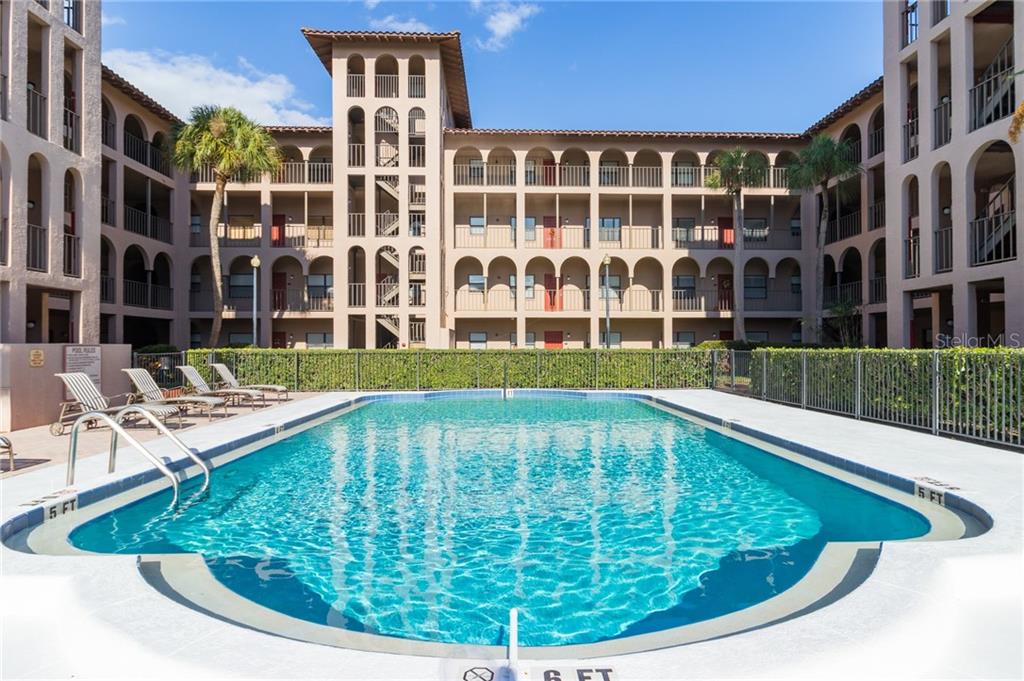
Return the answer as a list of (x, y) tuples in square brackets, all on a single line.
[(929, 609)]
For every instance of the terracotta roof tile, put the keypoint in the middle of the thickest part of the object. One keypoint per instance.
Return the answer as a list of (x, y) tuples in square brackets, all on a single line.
[(869, 91), (138, 95), (298, 129), (776, 136)]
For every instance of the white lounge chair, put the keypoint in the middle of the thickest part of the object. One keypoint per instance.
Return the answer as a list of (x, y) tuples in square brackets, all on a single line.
[(5, 445), (153, 394), (201, 387), (87, 397), (232, 382)]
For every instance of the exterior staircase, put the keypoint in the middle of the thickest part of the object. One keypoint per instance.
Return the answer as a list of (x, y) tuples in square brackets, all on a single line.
[(992, 97), (995, 226)]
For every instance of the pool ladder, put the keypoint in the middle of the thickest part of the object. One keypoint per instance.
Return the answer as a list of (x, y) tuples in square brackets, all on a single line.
[(116, 429)]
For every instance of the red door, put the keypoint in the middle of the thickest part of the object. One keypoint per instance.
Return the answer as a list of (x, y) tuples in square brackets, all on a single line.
[(552, 235), (726, 234), (280, 286), (277, 229), (725, 334), (279, 339), (549, 172), (552, 340), (552, 293), (724, 291)]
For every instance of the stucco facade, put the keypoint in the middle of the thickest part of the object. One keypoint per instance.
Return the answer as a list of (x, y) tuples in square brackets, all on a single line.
[(402, 225)]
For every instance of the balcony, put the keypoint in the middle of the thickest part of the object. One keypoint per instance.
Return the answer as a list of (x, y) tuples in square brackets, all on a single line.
[(993, 239), (566, 236), (494, 300), (201, 300), (229, 236), (943, 249), (153, 226), (911, 257), (539, 299), (356, 224), (876, 142), (37, 257), (3, 96), (108, 133), (646, 176), (36, 112), (876, 290), (290, 172), (908, 24), (357, 295), (106, 288), (572, 175), (418, 263), (771, 239), (143, 152), (417, 155), (632, 299), (501, 175), (72, 255), (301, 236), (385, 85), (356, 155), (417, 86), (703, 237), (844, 227), (417, 295), (876, 215), (943, 123), (850, 293), (701, 300), (613, 176), (686, 176), (72, 131), (356, 85), (631, 237), (488, 237), (143, 294), (301, 300), (206, 174), (320, 172), (911, 145)]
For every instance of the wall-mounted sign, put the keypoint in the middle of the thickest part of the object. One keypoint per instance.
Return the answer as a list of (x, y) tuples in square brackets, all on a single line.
[(36, 358), (87, 359)]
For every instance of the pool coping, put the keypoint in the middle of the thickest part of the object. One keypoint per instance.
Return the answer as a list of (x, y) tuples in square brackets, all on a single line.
[(188, 576)]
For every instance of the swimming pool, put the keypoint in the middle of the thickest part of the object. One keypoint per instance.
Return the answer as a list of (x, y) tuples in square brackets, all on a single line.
[(428, 520)]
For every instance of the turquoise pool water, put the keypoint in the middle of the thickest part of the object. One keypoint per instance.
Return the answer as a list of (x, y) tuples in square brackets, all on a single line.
[(430, 519)]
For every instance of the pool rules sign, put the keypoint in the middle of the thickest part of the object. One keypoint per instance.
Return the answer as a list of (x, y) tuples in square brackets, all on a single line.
[(87, 359)]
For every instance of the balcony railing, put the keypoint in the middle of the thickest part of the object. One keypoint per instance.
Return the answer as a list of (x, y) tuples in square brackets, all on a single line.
[(301, 300), (876, 141), (106, 288), (993, 239), (36, 112), (356, 155), (207, 174), (143, 294), (320, 172), (876, 215), (385, 85), (876, 290), (108, 133), (356, 224), (686, 176), (942, 247), (909, 24), (417, 86), (301, 236), (911, 257), (632, 299), (993, 98), (773, 300), (72, 131), (703, 237), (492, 300), (632, 236), (3, 96), (38, 248), (417, 195), (417, 155), (571, 299), (910, 140), (417, 263), (488, 237), (501, 175), (356, 85), (943, 123), (155, 227), (72, 255), (357, 295), (850, 293), (844, 227), (290, 172), (613, 176), (566, 236), (570, 175), (701, 300), (646, 176), (770, 239), (5, 241), (147, 154), (417, 295), (780, 177)]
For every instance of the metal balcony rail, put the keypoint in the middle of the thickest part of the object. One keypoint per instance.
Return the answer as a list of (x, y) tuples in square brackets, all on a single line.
[(772, 239), (356, 83), (943, 249), (417, 155), (356, 224), (853, 152), (876, 141), (566, 236), (357, 295), (910, 140), (72, 131), (72, 255), (387, 294), (38, 248), (993, 239), (876, 290), (301, 300), (909, 24), (106, 288), (876, 215), (144, 294), (3, 96), (385, 85), (153, 226), (942, 124), (703, 237), (613, 176), (356, 154), (320, 172), (992, 98), (850, 293), (5, 241), (73, 14), (912, 257), (108, 133), (147, 154), (417, 295), (417, 86), (36, 112)]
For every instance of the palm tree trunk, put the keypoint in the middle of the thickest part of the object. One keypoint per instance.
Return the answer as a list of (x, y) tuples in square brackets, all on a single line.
[(819, 268), (739, 324), (218, 281)]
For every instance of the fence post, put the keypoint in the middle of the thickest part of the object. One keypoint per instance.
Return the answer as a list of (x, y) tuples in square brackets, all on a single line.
[(296, 370), (478, 370), (538, 368), (935, 392), (714, 369), (654, 369), (358, 362), (597, 369), (857, 385), (803, 379), (764, 375), (732, 370), (419, 361)]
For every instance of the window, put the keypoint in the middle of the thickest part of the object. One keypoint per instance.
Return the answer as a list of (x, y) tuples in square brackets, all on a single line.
[(684, 339), (757, 336), (531, 340), (319, 340), (755, 287), (609, 229), (240, 285), (614, 284), (755, 230), (685, 284), (197, 224), (684, 229), (794, 283), (616, 339), (195, 340), (795, 336), (195, 282), (240, 338), (477, 224), (477, 340), (529, 227), (528, 284), (477, 282), (794, 225), (320, 285)]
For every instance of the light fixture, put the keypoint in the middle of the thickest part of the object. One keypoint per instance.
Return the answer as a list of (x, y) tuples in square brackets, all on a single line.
[(30, 204), (946, 210), (255, 261)]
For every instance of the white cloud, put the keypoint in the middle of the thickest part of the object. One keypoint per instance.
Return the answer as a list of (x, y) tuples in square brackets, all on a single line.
[(371, 4), (111, 20), (393, 23), (182, 81), (503, 20)]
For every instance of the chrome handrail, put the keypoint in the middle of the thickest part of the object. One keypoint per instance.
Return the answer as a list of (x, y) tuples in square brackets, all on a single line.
[(159, 425), (115, 426)]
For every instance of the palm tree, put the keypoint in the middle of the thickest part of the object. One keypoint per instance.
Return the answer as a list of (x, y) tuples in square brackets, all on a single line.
[(231, 145), (817, 164), (736, 169)]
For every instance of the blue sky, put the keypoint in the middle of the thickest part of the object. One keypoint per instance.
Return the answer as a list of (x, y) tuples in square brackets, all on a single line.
[(757, 66)]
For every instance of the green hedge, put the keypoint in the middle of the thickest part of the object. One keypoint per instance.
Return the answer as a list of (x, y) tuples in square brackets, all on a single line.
[(319, 370)]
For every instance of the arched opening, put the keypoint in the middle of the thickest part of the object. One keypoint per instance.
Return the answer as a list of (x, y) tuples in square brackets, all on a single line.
[(200, 285), (850, 278), (356, 137), (417, 137), (942, 244), (320, 167), (540, 168), (613, 168), (574, 283), (385, 76), (685, 169), (417, 77), (240, 285), (644, 293), (851, 136), (687, 292), (108, 270), (720, 295), (355, 68), (785, 289), (829, 281), (108, 123), (135, 273), (286, 285), (386, 265), (162, 284), (541, 285), (135, 145), (385, 128), (293, 166), (912, 240), (780, 171), (470, 284), (647, 169), (501, 284), (993, 231), (72, 242), (574, 168), (320, 284), (37, 216), (356, 268), (876, 132), (468, 167), (876, 272), (755, 285), (501, 167)]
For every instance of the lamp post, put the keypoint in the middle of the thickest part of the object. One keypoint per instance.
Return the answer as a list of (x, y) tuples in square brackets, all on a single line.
[(255, 262), (607, 262)]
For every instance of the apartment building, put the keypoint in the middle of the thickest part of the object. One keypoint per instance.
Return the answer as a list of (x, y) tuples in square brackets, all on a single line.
[(402, 225)]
